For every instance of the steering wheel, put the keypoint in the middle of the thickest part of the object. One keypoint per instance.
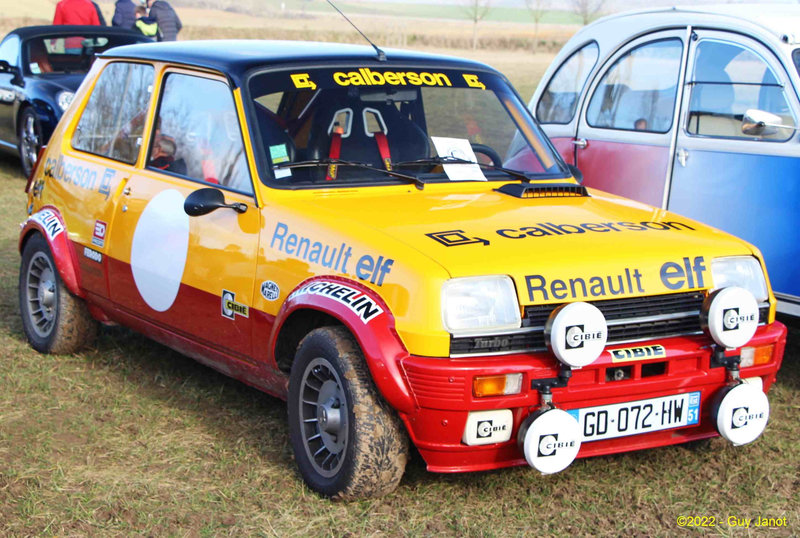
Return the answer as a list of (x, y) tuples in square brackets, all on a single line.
[(483, 149)]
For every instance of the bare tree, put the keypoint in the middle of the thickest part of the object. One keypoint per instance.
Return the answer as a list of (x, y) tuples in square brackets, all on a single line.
[(587, 10), (537, 9), (476, 11)]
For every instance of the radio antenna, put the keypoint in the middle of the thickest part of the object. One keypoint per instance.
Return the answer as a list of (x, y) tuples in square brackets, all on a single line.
[(381, 54)]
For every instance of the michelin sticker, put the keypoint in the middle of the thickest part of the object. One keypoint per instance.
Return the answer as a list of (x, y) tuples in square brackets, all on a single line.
[(359, 303), (270, 290), (50, 222)]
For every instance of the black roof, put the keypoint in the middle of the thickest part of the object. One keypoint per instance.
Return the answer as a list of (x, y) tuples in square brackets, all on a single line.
[(27, 32), (236, 57)]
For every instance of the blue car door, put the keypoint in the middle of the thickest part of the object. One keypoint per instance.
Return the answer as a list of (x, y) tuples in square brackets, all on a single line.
[(737, 159)]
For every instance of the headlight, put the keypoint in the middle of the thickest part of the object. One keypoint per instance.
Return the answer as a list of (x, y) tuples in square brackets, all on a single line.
[(742, 271), (64, 99), (479, 305)]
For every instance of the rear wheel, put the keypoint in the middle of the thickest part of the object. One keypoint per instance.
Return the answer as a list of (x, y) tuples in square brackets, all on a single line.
[(30, 140), (347, 441), (54, 320)]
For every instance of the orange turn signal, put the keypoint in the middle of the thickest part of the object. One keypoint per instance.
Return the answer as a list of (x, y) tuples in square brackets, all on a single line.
[(751, 356), (496, 385)]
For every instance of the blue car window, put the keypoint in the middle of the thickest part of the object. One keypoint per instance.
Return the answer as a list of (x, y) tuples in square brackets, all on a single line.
[(638, 91), (560, 98), (728, 83)]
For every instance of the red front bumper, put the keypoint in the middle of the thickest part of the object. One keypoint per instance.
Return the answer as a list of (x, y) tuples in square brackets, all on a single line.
[(442, 389)]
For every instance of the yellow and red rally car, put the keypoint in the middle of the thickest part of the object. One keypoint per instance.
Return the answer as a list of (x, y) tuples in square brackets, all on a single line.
[(390, 243)]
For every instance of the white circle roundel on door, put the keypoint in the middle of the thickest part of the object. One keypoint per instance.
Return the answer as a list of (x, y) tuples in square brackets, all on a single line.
[(159, 249)]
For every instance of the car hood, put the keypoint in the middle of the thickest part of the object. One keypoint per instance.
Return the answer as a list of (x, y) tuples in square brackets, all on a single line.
[(56, 83), (555, 249)]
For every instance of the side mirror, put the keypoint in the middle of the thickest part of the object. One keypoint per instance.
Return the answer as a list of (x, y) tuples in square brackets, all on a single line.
[(576, 173), (5, 67), (761, 123), (204, 201)]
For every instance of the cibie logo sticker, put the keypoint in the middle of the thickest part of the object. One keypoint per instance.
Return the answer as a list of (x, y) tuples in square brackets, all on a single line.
[(576, 336), (303, 80), (230, 308), (742, 416), (549, 445), (638, 353), (731, 319), (99, 233), (270, 290), (355, 300), (50, 222)]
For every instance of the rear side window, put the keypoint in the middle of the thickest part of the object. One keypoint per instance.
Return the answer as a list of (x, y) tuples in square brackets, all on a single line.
[(111, 124), (735, 94), (560, 99), (638, 91), (197, 133)]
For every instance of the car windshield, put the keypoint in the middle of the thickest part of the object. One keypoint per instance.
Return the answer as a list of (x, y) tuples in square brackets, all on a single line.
[(67, 54), (393, 124)]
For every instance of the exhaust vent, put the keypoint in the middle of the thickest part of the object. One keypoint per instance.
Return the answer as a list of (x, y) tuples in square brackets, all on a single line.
[(544, 190)]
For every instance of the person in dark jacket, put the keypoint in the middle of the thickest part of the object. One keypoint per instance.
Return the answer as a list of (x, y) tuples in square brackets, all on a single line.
[(168, 22), (124, 14)]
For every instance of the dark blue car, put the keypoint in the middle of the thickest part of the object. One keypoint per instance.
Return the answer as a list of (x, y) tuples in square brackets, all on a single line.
[(40, 69)]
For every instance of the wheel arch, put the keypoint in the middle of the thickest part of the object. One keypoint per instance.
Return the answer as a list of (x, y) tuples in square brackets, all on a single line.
[(307, 308), (50, 225)]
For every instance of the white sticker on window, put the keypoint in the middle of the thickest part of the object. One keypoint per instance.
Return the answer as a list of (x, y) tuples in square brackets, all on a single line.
[(458, 148), (35, 69)]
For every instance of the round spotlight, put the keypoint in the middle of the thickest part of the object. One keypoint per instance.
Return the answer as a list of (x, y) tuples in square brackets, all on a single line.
[(576, 333), (742, 412), (550, 440), (730, 316)]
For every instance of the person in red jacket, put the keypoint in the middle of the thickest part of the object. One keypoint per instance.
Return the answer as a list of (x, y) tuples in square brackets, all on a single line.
[(75, 12)]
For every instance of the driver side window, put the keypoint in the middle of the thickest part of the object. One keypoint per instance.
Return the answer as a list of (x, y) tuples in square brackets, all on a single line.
[(197, 133)]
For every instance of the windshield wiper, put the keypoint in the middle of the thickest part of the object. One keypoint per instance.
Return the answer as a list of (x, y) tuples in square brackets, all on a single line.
[(420, 184), (457, 160)]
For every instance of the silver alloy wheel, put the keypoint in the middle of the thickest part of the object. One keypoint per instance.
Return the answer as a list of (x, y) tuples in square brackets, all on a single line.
[(323, 416), (29, 142), (41, 293)]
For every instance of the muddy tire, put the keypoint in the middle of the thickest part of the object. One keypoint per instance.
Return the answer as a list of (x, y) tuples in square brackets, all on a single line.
[(347, 441), (54, 320)]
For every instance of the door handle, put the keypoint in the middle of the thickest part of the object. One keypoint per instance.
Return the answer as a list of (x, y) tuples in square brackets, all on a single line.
[(580, 143), (682, 156)]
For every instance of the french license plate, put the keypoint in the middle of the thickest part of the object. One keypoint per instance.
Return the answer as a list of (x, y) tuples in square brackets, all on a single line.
[(642, 416)]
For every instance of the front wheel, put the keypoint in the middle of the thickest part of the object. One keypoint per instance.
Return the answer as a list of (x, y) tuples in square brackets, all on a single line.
[(30, 140), (54, 320), (347, 441)]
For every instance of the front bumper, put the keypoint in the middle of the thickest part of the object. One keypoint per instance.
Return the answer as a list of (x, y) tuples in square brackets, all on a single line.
[(442, 390)]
